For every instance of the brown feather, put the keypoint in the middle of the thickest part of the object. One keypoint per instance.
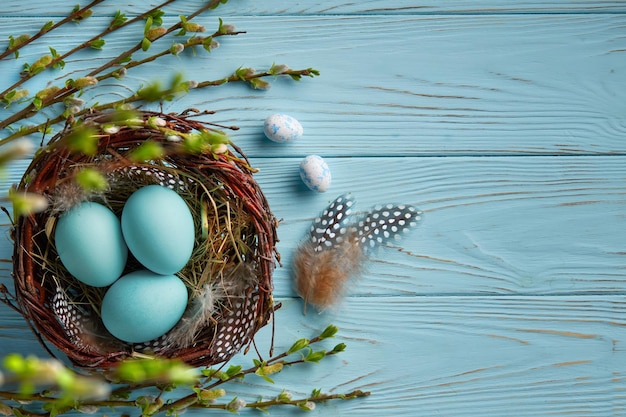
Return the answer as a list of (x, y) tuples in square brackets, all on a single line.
[(321, 277)]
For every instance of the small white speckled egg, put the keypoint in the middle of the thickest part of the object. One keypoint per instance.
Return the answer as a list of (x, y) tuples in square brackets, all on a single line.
[(315, 173), (282, 128)]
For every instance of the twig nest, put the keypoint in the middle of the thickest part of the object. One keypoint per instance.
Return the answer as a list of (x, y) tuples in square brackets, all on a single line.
[(201, 201)]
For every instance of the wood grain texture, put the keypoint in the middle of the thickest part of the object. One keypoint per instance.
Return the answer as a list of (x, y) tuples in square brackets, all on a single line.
[(528, 225), (335, 7), (491, 225), (454, 356), (436, 85), (503, 121)]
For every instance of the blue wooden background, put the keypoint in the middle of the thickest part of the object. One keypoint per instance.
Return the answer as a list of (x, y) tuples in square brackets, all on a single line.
[(504, 121)]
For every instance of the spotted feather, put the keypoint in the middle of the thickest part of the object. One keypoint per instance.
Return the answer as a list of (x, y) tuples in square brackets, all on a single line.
[(338, 245), (385, 223), (69, 316), (330, 228)]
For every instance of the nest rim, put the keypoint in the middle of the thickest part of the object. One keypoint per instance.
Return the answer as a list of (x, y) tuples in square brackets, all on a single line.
[(230, 168)]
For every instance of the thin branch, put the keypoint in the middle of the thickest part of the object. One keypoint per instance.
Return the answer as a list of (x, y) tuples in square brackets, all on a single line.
[(233, 78), (44, 30), (30, 110), (125, 55), (86, 44)]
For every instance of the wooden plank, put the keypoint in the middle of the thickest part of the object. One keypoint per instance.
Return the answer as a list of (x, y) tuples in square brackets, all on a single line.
[(491, 225), (453, 356), (425, 85), (335, 7), (499, 225)]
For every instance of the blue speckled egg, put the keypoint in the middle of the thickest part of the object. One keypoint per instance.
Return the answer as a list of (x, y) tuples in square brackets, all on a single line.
[(88, 239), (142, 306), (282, 128), (315, 173), (158, 228)]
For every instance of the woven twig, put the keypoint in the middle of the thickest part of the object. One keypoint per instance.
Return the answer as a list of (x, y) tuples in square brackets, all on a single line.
[(65, 313)]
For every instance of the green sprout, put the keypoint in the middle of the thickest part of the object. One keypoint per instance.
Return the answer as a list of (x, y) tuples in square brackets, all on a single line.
[(47, 388)]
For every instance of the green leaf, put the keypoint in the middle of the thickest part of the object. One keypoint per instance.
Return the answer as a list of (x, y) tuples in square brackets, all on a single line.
[(124, 60), (284, 397), (207, 43), (298, 345), (147, 151), (91, 179), (329, 331), (17, 42), (37, 103), (57, 408), (82, 139), (15, 363), (145, 44), (57, 63), (97, 44), (151, 92), (341, 347), (212, 373), (260, 373), (315, 356), (46, 27), (148, 25), (155, 369), (233, 370), (81, 16), (157, 17), (306, 405), (118, 20)]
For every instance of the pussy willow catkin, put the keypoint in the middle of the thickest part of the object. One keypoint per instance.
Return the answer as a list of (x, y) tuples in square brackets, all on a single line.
[(338, 245)]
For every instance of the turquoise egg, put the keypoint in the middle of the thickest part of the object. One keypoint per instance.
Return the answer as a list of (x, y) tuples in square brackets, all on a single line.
[(88, 239), (142, 305), (158, 228)]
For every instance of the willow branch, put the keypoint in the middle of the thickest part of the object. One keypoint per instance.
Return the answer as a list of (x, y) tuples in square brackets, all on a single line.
[(233, 78), (125, 55), (44, 30), (30, 110), (110, 29)]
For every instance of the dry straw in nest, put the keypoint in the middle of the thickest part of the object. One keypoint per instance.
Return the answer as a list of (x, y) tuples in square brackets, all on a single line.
[(228, 277)]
